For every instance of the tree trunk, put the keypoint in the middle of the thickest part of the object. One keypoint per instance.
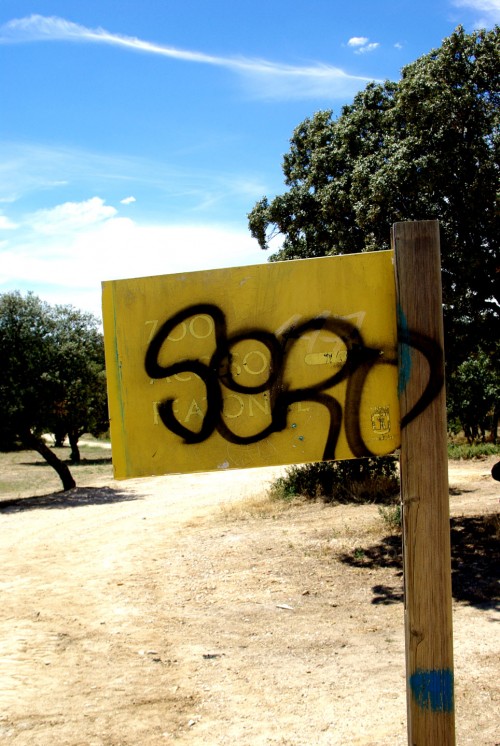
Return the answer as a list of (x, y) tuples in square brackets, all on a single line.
[(75, 451), (59, 435), (37, 444), (494, 425)]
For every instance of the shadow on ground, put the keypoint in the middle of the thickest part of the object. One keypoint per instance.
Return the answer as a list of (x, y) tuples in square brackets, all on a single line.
[(456, 491), (82, 462), (475, 562), (76, 498)]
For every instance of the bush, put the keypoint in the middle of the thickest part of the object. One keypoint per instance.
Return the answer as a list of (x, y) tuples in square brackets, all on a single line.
[(477, 450), (373, 480), (391, 516)]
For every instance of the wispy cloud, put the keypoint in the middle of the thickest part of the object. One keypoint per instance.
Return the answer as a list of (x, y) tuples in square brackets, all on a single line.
[(71, 216), (488, 10), (362, 45), (27, 169), (275, 79)]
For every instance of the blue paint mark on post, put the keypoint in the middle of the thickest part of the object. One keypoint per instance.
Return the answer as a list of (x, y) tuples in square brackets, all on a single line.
[(404, 351), (433, 690)]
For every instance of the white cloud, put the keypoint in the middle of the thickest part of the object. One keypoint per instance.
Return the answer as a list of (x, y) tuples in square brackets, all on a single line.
[(269, 79), (6, 224), (71, 216), (362, 45), (69, 267), (368, 47), (127, 200), (488, 10), (357, 41)]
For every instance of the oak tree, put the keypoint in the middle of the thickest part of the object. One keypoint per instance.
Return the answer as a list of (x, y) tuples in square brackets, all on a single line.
[(426, 147), (52, 376)]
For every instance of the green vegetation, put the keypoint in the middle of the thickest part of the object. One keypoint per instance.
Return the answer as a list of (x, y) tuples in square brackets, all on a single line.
[(470, 451), (426, 147), (391, 516), (369, 480), (473, 402), (373, 480), (52, 377)]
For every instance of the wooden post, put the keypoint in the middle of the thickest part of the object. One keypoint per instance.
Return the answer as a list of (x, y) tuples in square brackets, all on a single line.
[(424, 486)]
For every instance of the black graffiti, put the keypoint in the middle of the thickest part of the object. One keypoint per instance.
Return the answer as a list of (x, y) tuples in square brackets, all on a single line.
[(434, 356), (359, 361)]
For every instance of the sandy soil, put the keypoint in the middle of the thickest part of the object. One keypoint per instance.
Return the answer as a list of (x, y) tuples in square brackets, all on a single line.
[(186, 610)]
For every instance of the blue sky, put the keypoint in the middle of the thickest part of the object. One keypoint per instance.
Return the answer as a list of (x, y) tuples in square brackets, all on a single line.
[(136, 136)]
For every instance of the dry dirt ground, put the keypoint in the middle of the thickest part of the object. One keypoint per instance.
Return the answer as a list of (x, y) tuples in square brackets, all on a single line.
[(191, 610)]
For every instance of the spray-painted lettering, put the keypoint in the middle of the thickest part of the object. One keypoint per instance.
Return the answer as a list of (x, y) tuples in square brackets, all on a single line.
[(269, 361)]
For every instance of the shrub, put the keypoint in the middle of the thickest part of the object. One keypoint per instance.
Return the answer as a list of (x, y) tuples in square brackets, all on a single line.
[(477, 450), (373, 480), (391, 516)]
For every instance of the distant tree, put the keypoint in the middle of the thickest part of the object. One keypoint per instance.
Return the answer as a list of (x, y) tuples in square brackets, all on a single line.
[(475, 395), (52, 374), (82, 405), (426, 147)]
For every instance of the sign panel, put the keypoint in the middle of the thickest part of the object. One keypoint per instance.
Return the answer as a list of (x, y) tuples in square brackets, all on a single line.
[(281, 363)]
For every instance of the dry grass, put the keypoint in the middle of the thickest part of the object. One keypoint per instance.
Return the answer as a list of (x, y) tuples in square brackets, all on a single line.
[(26, 474), (263, 505), (346, 527)]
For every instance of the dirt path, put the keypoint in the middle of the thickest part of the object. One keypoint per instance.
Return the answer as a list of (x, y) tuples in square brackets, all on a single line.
[(169, 611)]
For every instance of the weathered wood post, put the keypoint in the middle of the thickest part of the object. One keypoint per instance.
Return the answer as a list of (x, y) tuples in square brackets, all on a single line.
[(424, 486)]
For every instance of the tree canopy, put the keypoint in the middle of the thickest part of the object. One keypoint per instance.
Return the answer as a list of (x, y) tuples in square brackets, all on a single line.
[(52, 377), (474, 393), (82, 403), (426, 147)]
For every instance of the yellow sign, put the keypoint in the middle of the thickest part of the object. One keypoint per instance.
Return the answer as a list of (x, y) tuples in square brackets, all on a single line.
[(281, 363)]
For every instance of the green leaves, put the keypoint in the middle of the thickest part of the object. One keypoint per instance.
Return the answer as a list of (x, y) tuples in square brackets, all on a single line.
[(426, 147), (475, 387), (52, 374)]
